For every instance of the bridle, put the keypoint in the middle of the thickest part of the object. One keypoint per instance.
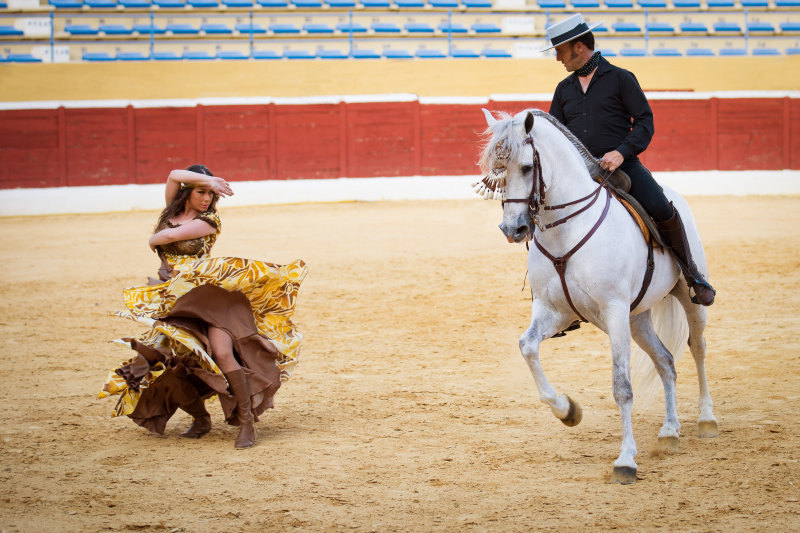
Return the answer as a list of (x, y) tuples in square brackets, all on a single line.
[(536, 202)]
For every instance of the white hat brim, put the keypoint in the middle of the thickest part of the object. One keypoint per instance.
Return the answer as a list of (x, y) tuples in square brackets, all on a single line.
[(572, 38)]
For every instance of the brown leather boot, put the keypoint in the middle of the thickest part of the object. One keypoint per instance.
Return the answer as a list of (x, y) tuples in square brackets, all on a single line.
[(237, 382), (674, 235), (202, 420)]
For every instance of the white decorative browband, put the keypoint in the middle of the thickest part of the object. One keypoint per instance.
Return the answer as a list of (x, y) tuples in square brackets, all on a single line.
[(493, 185)]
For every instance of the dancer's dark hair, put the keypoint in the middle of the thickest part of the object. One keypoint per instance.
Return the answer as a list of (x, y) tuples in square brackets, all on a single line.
[(176, 206)]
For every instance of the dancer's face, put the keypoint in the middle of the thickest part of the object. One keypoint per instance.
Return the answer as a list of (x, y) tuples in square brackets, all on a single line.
[(200, 199)]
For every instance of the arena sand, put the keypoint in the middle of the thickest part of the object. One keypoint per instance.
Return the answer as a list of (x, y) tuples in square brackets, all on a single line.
[(411, 408)]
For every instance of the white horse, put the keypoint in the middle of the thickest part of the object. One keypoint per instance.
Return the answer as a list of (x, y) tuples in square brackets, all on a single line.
[(536, 168)]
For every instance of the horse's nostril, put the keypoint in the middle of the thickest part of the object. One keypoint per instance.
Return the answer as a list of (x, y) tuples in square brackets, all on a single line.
[(521, 231)]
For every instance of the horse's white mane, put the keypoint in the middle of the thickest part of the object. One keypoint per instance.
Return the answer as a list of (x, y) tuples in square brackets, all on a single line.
[(501, 133)]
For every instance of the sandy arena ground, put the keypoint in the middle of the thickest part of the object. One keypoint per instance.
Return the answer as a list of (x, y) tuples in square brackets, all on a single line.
[(411, 408)]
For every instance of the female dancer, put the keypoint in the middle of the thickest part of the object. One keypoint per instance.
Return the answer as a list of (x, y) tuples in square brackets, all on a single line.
[(217, 325)]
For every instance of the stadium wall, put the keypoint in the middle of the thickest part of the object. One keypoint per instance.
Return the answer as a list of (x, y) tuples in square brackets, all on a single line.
[(52, 144)]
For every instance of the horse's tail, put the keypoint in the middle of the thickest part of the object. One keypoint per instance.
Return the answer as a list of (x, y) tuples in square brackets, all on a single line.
[(669, 323)]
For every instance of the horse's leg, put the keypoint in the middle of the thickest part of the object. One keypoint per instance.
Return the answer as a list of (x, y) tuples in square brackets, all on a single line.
[(617, 319), (645, 336), (696, 317), (545, 322)]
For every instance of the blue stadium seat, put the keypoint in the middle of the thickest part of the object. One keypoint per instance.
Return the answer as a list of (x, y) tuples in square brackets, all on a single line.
[(619, 4), (760, 27), (131, 56), (366, 54), (80, 29), (660, 27), (6, 30), (732, 52), (196, 55), (255, 27), (693, 27), (727, 27), (165, 56), (585, 4), (461, 52), (766, 51), (607, 52), (652, 4), (180, 28), (409, 3), (317, 28), (97, 56), (790, 26), (476, 3), (452, 27), (720, 3), (443, 3), (169, 3), (699, 52), (3, 5), (265, 54), (237, 3), (397, 54), (385, 27), (63, 4), (203, 4), (307, 3), (430, 53), (299, 54), (331, 54), (602, 28), (793, 51), (754, 3), (787, 3), (627, 27), (22, 58), (686, 3), (355, 27), (215, 28), (376, 3), (418, 27), (115, 29), (666, 52), (273, 3), (341, 3), (551, 4), (274, 28), (134, 4), (495, 52), (486, 27), (231, 54), (633, 52), (100, 4), (147, 29)]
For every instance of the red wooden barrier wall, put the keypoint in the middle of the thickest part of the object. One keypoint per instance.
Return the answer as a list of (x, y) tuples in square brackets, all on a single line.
[(103, 146)]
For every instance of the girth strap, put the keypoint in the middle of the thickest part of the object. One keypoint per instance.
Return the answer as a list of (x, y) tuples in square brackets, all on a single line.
[(560, 263), (648, 274)]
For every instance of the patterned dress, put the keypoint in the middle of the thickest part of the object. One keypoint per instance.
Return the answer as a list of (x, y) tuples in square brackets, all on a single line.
[(253, 301)]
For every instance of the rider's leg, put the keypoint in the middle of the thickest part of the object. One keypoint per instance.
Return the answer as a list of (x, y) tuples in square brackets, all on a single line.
[(649, 193)]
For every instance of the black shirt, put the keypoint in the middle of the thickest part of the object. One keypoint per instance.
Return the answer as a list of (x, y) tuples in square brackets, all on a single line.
[(602, 117)]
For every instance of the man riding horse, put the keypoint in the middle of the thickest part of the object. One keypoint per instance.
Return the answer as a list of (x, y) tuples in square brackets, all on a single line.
[(604, 106)]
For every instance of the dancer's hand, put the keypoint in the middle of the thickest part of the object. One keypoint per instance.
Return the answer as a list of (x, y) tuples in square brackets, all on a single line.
[(220, 186)]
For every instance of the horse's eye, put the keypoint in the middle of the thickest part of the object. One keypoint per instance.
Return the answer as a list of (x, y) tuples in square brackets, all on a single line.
[(526, 168)]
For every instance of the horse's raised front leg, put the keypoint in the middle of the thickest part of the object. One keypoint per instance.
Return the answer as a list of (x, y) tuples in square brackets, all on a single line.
[(545, 322), (645, 336), (617, 319), (696, 317)]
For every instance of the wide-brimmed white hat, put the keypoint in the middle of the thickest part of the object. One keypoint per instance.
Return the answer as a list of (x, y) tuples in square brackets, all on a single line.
[(568, 29)]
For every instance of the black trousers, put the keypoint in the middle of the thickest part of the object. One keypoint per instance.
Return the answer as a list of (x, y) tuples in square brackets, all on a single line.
[(645, 189)]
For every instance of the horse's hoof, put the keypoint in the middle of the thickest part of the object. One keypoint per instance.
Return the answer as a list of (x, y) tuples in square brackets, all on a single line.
[(668, 444), (574, 415), (707, 429), (624, 475)]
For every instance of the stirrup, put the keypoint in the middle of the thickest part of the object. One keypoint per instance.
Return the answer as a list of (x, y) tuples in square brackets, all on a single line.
[(572, 327)]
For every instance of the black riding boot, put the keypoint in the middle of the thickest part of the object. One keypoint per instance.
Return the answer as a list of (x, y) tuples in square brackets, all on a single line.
[(674, 234)]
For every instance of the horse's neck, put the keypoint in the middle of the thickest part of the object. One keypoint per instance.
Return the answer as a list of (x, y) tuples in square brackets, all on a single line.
[(565, 174)]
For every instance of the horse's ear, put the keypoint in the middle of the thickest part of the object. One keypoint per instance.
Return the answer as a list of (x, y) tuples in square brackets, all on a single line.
[(489, 118), (528, 122)]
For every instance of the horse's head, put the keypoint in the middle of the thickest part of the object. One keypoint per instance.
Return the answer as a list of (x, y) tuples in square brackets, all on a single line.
[(508, 167)]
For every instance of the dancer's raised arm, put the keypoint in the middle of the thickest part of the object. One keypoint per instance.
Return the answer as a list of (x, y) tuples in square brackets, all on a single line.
[(190, 178)]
